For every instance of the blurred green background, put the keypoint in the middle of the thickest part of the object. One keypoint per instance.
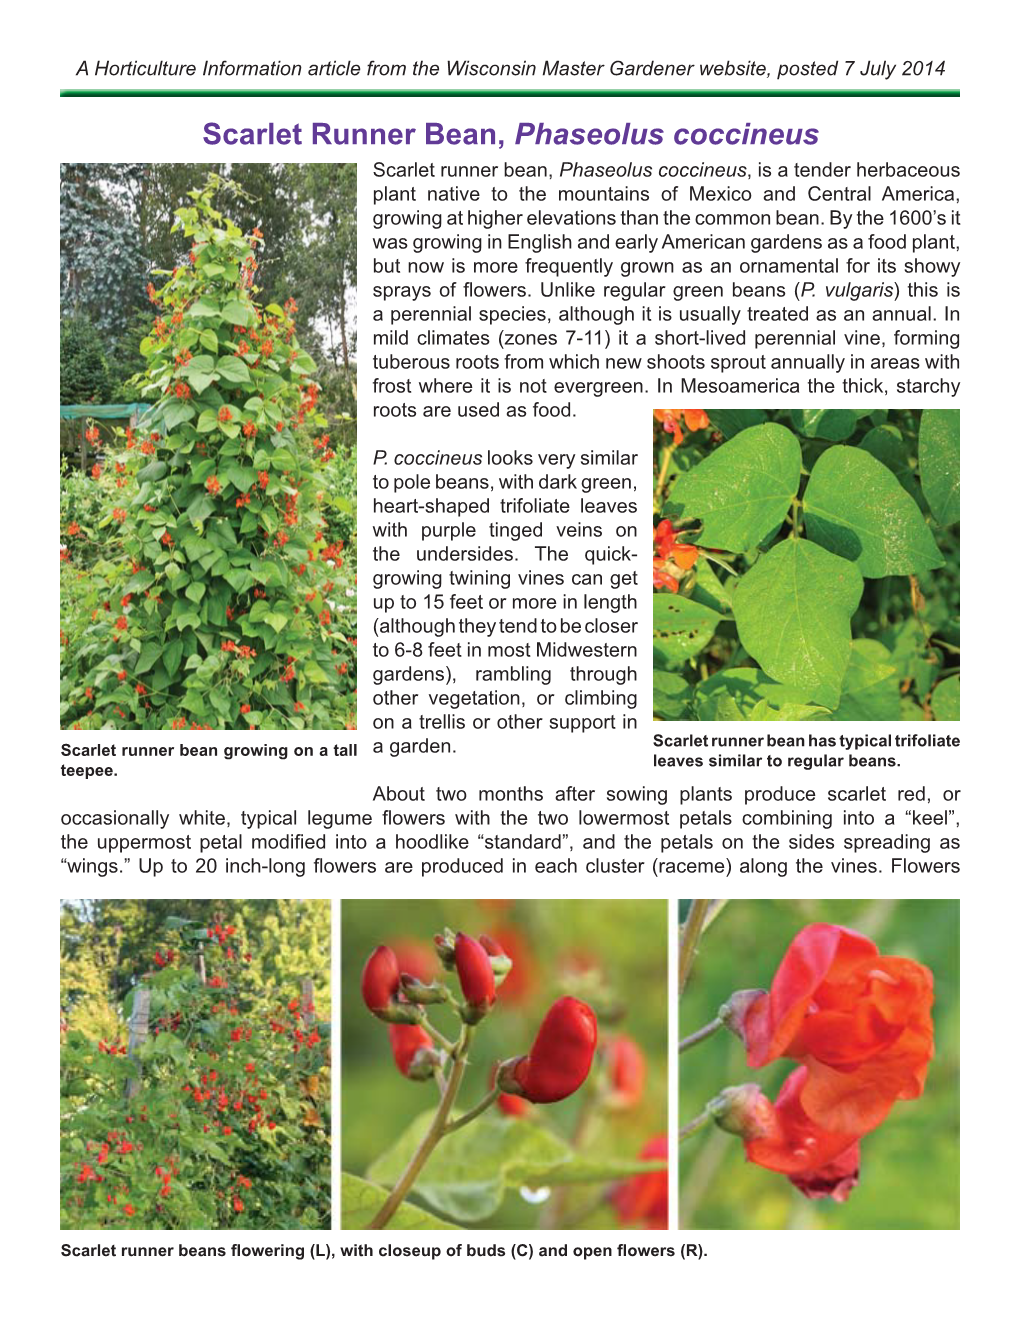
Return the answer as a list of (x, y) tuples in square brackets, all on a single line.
[(910, 1166), (611, 953)]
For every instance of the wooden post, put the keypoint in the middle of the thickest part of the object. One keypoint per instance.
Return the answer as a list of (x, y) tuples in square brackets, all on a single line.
[(200, 963), (137, 1033), (82, 443), (308, 1003)]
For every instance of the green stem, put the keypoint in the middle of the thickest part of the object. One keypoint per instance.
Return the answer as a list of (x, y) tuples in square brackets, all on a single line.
[(472, 1113), (432, 1137), (691, 933), (695, 1125), (703, 1033), (438, 1036), (660, 488)]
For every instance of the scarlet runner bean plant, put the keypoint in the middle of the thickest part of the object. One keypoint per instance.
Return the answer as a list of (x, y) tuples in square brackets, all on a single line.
[(220, 604), (217, 1117), (448, 1158), (805, 564)]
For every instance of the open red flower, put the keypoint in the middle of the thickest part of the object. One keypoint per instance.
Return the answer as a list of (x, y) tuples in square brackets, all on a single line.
[(858, 1020)]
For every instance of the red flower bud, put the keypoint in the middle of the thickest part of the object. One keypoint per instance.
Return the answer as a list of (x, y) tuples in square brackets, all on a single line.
[(499, 959), (412, 1050), (745, 1111), (561, 1056), (380, 980), (416, 958), (625, 1069), (477, 983)]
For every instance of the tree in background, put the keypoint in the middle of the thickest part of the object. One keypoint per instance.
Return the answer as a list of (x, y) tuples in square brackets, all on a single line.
[(323, 270), (84, 376), (116, 224)]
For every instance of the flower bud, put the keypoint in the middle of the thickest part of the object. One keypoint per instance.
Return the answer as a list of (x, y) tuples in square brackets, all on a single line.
[(477, 982), (561, 1057), (501, 963), (380, 980), (380, 984), (419, 993), (625, 1072), (745, 1111), (412, 1051), (734, 1012), (444, 948)]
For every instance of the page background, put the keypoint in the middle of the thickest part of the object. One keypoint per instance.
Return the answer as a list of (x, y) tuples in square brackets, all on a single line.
[(760, 1270)]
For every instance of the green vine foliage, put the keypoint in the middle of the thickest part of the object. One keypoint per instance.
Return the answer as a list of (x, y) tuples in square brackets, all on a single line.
[(806, 565), (219, 606), (218, 1118)]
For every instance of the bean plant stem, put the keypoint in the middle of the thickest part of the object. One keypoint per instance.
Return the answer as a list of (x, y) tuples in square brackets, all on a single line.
[(663, 473), (703, 1033), (692, 928), (432, 1137), (472, 1113), (695, 1125), (438, 1036)]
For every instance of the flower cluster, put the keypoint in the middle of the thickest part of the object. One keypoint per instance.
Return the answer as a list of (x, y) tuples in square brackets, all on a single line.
[(672, 560), (858, 1024)]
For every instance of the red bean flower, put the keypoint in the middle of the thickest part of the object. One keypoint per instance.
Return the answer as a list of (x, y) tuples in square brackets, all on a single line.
[(625, 1072), (416, 958), (782, 1138), (561, 1057), (859, 1022), (477, 982), (412, 1050), (644, 1198), (380, 979)]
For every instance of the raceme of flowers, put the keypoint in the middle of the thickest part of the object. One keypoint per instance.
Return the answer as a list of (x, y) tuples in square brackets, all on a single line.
[(858, 1025)]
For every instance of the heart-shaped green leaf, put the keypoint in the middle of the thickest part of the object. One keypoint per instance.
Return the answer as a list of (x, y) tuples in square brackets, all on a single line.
[(825, 423), (938, 456), (682, 628), (855, 507), (468, 1173), (871, 689), (742, 491), (360, 1201), (793, 613), (671, 695), (945, 700), (749, 694)]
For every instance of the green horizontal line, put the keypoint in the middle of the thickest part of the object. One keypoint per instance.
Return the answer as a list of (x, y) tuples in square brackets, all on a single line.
[(412, 93)]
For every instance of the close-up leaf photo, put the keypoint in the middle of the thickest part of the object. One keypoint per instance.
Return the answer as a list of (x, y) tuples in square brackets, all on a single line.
[(806, 564)]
